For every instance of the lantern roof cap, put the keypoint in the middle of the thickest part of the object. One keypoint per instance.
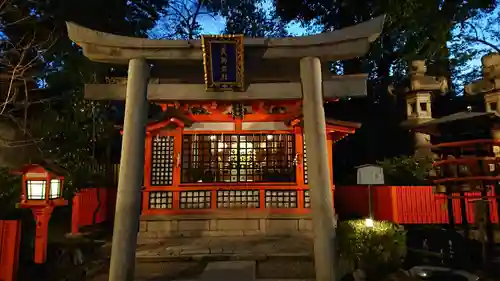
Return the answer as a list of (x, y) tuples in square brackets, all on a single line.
[(48, 165), (367, 165)]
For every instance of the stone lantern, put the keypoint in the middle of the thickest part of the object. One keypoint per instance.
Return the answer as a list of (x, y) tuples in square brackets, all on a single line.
[(489, 87), (42, 191), (418, 89)]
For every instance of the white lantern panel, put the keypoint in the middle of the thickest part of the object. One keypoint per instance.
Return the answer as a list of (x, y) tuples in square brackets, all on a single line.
[(36, 189), (55, 189)]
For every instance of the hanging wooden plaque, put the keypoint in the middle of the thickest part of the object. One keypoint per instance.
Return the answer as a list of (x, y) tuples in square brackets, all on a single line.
[(223, 62)]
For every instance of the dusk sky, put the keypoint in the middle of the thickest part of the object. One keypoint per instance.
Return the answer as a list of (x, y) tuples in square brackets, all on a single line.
[(215, 25)]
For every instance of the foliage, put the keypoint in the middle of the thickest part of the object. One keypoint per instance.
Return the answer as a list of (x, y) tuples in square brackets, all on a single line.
[(472, 39), (377, 250), (181, 20), (407, 35), (71, 131), (406, 170), (251, 19)]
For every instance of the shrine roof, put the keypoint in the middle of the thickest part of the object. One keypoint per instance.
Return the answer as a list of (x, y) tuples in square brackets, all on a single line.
[(348, 124), (167, 115), (345, 43), (171, 112), (330, 121)]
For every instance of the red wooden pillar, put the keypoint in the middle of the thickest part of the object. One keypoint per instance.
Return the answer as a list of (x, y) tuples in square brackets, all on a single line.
[(75, 214), (330, 143), (42, 218), (10, 238)]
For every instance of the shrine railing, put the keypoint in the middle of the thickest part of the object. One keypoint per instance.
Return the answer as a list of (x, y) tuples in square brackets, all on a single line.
[(206, 199), (92, 206), (407, 204), (467, 165)]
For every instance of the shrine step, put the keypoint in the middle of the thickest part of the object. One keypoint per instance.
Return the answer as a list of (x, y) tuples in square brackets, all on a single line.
[(229, 270)]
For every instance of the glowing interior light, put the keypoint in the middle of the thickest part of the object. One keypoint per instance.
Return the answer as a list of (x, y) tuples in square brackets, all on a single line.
[(246, 145), (368, 222), (220, 146), (36, 189), (269, 137), (213, 138), (55, 189)]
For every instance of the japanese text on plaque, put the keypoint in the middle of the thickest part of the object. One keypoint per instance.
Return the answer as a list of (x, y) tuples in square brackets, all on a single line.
[(223, 63)]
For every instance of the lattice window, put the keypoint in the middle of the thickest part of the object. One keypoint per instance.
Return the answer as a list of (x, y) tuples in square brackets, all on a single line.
[(238, 199), (195, 199), (238, 158), (281, 199), (307, 199), (162, 161), (161, 199), (306, 180)]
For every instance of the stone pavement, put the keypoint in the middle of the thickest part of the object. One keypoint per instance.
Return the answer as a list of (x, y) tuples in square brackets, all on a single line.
[(185, 259), (252, 248), (229, 270)]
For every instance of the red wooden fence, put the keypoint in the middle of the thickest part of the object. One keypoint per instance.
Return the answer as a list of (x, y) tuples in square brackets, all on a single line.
[(406, 204), (92, 206), (10, 239)]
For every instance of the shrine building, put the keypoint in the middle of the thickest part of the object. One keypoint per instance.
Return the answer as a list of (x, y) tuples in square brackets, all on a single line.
[(227, 155)]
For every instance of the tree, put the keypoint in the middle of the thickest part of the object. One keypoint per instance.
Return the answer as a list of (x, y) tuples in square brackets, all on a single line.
[(22, 46), (472, 39), (251, 18), (408, 34), (181, 19), (67, 128), (406, 170)]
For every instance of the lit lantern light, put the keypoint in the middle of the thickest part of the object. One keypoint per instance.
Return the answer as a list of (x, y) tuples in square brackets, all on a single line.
[(42, 190), (39, 190), (269, 137), (369, 222)]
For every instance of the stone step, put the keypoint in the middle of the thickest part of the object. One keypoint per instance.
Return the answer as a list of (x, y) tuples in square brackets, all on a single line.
[(229, 271), (285, 280), (265, 280)]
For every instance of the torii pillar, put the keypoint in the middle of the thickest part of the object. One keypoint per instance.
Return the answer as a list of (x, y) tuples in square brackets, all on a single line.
[(128, 203), (324, 219)]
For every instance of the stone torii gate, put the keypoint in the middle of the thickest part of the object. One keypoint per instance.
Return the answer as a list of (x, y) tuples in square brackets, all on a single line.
[(275, 69)]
